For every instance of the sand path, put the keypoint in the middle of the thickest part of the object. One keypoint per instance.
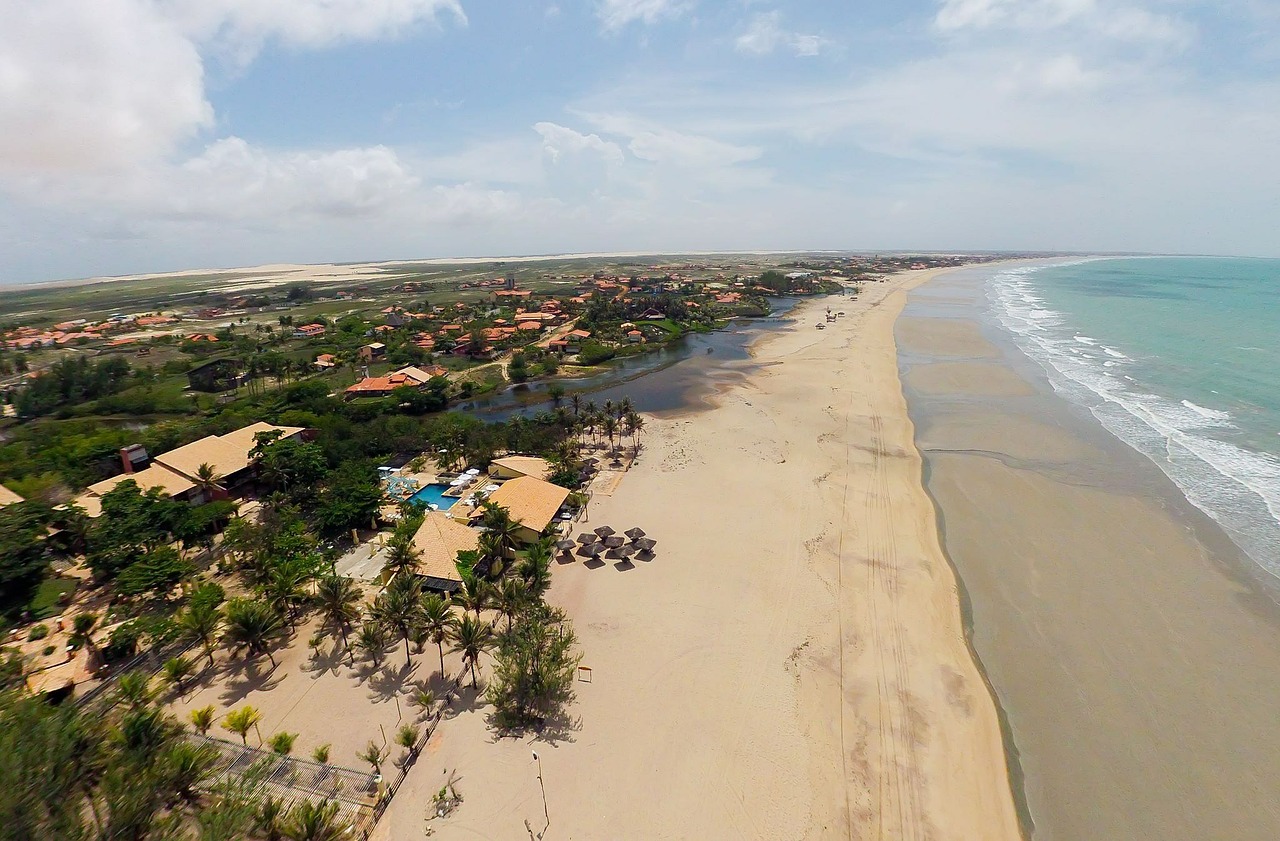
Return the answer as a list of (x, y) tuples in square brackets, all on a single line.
[(792, 664)]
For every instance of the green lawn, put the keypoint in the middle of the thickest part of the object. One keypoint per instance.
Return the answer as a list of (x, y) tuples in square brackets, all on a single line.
[(44, 603)]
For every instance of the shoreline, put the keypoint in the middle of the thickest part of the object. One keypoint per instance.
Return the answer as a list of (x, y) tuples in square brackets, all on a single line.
[(1128, 646), (793, 663)]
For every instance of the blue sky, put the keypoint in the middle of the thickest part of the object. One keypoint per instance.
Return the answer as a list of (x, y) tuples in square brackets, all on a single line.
[(150, 135)]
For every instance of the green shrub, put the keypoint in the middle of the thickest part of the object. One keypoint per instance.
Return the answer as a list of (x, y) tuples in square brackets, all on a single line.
[(38, 632)]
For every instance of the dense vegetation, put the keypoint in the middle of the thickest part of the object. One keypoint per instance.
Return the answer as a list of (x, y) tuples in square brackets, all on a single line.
[(71, 381), (128, 772)]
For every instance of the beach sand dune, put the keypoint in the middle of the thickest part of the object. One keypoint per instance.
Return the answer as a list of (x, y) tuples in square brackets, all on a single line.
[(791, 665)]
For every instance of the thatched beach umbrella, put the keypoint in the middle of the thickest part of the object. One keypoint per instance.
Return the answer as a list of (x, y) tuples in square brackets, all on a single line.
[(587, 538), (635, 533), (565, 545), (613, 541), (604, 531), (625, 551), (593, 549), (646, 544)]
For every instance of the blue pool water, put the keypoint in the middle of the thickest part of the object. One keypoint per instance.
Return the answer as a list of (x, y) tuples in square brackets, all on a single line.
[(434, 495)]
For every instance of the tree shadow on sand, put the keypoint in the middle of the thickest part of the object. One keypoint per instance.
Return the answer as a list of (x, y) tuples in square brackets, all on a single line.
[(322, 662), (389, 681), (552, 730), (245, 677), (465, 700)]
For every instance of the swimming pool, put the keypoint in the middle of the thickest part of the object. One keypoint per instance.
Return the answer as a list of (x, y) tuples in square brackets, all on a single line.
[(434, 495)]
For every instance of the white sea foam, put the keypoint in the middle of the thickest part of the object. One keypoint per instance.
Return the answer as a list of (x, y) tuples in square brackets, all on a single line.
[(1085, 340), (1237, 487), (1212, 414)]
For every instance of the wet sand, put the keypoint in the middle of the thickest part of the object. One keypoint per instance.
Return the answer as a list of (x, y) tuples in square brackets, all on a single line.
[(1137, 665)]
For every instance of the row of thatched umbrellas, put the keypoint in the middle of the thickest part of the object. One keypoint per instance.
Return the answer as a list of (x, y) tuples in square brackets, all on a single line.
[(604, 540)]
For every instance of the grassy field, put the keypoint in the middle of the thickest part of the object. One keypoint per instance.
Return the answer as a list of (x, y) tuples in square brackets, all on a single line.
[(44, 603)]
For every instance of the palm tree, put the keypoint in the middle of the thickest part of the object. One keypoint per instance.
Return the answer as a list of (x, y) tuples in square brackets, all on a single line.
[(176, 670), (338, 599), (184, 766), (286, 586), (202, 719), (498, 521), (82, 632), (282, 742), (199, 623), (437, 622), (314, 822), (635, 425), (472, 637), (473, 594), (269, 818), (372, 640), (375, 755), (402, 556), (253, 625), (241, 721), (397, 609), (575, 403), (535, 569), (207, 481), (493, 551), (510, 597), (134, 689), (610, 426)]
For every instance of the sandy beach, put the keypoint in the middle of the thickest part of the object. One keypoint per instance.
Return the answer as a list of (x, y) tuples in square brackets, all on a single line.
[(1136, 663), (791, 664)]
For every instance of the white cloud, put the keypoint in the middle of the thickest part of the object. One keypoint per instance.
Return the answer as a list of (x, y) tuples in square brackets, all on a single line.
[(233, 179), (657, 143), (1124, 22), (575, 165), (615, 14), (559, 143), (107, 83), (765, 34), (304, 23), (94, 83)]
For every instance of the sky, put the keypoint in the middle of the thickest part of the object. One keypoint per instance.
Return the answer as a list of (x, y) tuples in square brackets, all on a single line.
[(156, 135)]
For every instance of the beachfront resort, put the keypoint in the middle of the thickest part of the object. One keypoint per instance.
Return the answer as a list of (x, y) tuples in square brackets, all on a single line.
[(314, 673)]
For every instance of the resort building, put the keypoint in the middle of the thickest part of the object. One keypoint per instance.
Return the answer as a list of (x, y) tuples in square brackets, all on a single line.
[(172, 485), (8, 497), (513, 467), (532, 502), (326, 360), (410, 376), (308, 331), (372, 352), (229, 455), (215, 375), (439, 540)]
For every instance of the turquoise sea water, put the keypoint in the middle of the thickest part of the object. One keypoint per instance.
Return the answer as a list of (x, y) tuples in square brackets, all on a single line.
[(1178, 357)]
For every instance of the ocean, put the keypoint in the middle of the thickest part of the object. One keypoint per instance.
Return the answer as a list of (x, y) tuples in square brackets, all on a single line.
[(1179, 358)]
